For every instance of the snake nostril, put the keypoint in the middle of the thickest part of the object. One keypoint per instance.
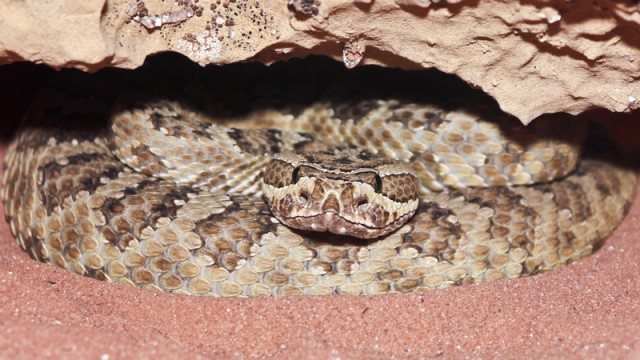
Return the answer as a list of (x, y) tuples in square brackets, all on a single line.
[(303, 198)]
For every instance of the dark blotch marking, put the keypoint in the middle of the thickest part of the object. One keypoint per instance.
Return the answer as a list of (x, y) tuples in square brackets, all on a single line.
[(85, 158), (365, 156), (343, 161), (202, 133), (356, 111), (274, 136), (308, 138), (168, 208), (52, 171), (605, 183), (433, 209), (157, 119), (240, 137)]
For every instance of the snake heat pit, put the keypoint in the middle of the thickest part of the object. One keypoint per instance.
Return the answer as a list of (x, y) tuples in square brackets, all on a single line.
[(367, 197)]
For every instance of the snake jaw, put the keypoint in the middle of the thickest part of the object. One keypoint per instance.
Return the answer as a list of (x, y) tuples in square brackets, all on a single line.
[(334, 223)]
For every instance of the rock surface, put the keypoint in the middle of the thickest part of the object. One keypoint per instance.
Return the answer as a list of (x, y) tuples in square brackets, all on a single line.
[(536, 57)]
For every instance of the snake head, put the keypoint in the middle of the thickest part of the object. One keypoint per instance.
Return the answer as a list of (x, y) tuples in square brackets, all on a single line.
[(348, 193)]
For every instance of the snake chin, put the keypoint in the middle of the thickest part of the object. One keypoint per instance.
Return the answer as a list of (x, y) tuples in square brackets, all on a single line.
[(336, 224)]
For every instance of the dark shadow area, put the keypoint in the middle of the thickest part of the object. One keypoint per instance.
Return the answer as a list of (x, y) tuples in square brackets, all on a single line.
[(230, 90), (237, 89), (19, 83)]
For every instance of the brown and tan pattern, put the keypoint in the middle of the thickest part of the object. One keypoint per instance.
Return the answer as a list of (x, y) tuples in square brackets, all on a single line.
[(345, 192), (70, 202)]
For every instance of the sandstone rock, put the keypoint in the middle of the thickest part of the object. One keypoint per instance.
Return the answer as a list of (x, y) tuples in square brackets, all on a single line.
[(536, 57)]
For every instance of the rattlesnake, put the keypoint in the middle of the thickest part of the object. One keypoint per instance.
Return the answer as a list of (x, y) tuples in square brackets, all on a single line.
[(181, 209)]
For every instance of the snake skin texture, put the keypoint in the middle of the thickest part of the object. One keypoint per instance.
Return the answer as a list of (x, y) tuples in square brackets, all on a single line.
[(71, 202)]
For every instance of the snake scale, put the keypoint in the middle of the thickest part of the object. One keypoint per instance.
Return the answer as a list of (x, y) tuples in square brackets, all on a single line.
[(168, 199)]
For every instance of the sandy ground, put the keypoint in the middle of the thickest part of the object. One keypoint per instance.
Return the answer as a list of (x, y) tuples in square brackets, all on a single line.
[(590, 309)]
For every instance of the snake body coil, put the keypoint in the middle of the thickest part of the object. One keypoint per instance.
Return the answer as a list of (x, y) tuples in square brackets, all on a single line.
[(180, 208)]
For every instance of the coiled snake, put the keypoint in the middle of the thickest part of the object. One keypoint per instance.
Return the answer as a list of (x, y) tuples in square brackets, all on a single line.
[(167, 200)]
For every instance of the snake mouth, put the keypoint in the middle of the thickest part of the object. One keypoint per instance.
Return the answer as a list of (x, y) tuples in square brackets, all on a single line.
[(335, 223)]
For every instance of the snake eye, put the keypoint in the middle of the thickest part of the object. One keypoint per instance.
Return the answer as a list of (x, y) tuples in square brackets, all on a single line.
[(378, 184), (295, 176)]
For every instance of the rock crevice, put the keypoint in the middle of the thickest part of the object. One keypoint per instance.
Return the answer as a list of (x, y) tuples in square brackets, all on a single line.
[(533, 57)]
